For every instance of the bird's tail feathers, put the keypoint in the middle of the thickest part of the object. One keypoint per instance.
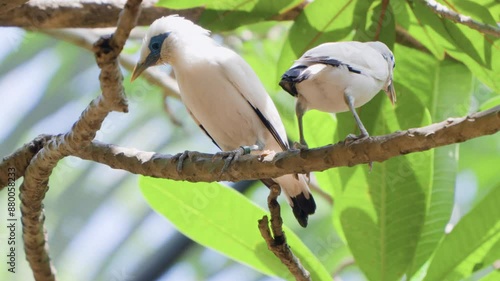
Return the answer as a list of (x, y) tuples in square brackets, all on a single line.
[(298, 195)]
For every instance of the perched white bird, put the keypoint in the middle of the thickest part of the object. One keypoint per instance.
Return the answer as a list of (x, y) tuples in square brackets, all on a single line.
[(337, 77), (224, 96)]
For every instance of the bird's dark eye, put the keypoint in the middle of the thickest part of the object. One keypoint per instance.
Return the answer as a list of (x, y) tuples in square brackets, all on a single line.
[(155, 46)]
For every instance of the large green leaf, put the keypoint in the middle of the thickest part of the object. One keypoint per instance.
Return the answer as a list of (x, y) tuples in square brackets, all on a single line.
[(175, 4), (479, 11), (380, 25), (471, 239), (450, 90), (479, 52), (241, 12), (382, 212), (413, 19), (219, 217), (319, 130), (322, 22)]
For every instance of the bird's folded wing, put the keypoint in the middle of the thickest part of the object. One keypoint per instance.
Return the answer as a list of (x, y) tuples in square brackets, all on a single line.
[(202, 128), (358, 56), (244, 79), (329, 61)]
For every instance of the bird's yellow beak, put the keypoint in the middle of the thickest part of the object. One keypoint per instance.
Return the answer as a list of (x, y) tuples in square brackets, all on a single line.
[(138, 69), (391, 93)]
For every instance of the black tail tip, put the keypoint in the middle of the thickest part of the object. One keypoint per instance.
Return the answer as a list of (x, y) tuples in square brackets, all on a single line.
[(303, 207)]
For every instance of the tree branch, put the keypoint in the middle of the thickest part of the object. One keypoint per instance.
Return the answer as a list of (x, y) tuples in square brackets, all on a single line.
[(277, 244), (458, 18), (40, 14), (20, 159), (7, 5), (35, 184), (201, 166)]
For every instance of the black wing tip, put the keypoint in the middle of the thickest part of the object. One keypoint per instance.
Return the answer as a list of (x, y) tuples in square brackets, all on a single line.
[(303, 207), (289, 87), (291, 77)]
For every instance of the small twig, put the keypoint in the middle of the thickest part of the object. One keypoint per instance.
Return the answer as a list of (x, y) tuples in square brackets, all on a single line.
[(169, 112), (404, 38), (317, 190), (385, 4), (278, 244), (458, 18)]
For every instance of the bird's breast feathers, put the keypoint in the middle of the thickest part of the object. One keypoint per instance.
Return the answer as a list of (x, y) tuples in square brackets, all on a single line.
[(223, 94)]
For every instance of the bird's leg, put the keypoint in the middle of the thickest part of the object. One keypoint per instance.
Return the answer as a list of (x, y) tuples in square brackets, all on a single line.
[(364, 133), (179, 158), (299, 111), (233, 155)]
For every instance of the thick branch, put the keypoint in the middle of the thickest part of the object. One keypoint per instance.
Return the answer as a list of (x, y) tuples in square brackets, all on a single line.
[(458, 18), (277, 241), (7, 5), (35, 185), (20, 159), (40, 14), (201, 166)]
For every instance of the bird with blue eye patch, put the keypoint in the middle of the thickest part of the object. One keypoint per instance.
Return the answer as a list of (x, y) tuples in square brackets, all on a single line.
[(225, 98)]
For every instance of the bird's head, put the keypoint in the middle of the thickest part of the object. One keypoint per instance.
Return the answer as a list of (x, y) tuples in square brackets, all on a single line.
[(391, 63), (162, 38)]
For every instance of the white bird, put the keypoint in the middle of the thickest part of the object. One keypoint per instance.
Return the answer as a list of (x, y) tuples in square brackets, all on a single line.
[(224, 96), (337, 77)]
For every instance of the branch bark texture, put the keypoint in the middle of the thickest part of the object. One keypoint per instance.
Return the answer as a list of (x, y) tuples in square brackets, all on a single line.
[(35, 184), (203, 167), (40, 14), (276, 242), (461, 19)]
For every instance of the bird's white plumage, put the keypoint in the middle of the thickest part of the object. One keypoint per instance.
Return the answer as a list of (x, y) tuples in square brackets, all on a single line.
[(324, 89), (221, 92), (338, 77)]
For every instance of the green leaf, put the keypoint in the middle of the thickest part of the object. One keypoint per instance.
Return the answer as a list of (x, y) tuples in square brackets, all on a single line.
[(477, 51), (242, 12), (319, 130), (220, 218), (493, 276), (471, 239), (382, 212), (479, 11), (415, 17), (450, 96), (382, 26), (176, 4), (494, 101), (486, 149), (321, 22)]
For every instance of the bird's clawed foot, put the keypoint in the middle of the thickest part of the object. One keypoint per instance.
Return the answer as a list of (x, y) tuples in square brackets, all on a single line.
[(351, 138), (300, 146), (231, 156), (179, 158)]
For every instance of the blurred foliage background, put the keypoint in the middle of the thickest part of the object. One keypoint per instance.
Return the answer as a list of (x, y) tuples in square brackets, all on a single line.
[(425, 216)]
